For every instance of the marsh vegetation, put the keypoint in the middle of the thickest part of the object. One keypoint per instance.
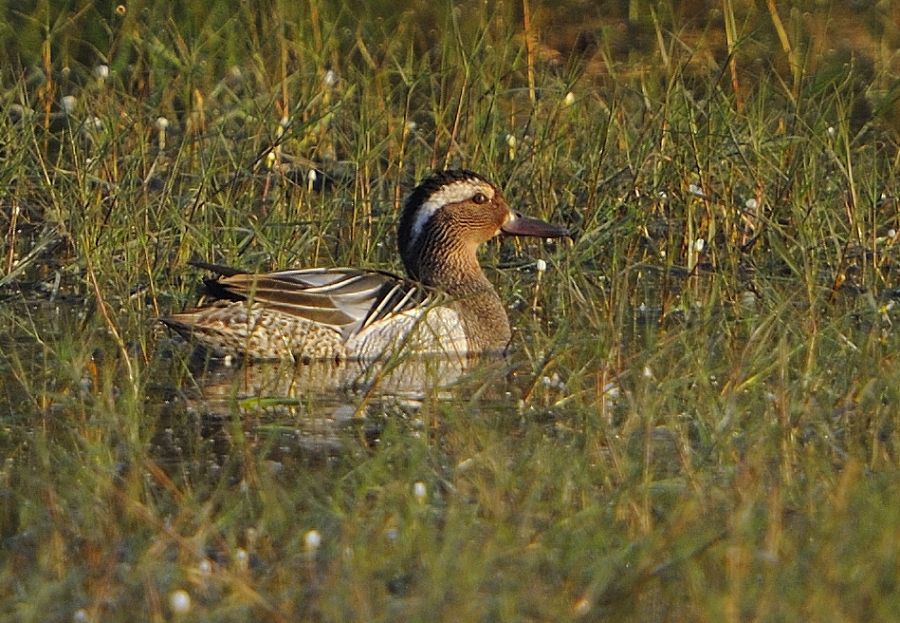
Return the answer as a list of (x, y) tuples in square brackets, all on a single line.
[(699, 419)]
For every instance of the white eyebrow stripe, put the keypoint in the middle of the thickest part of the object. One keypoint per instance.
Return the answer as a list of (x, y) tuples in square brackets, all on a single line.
[(451, 193)]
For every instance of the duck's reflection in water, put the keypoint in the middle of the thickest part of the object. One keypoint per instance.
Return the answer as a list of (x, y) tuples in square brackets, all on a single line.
[(320, 408)]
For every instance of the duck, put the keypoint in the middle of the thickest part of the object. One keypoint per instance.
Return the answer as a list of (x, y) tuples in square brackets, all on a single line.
[(445, 305)]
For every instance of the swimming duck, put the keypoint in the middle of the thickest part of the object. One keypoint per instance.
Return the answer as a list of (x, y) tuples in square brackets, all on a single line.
[(446, 305)]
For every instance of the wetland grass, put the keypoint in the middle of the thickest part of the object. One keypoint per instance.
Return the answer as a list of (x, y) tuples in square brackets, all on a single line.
[(700, 418)]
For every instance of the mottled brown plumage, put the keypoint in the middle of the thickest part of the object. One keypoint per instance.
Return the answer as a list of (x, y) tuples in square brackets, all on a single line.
[(447, 306)]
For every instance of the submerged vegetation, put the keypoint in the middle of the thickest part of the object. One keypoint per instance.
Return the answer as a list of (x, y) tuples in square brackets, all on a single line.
[(699, 420)]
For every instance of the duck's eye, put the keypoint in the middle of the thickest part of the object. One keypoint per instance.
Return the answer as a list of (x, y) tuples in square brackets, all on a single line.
[(479, 198)]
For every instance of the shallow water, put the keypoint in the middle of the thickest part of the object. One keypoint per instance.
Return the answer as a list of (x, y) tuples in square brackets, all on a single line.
[(323, 408)]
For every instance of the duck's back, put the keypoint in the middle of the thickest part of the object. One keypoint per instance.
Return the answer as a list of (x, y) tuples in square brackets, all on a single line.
[(336, 313)]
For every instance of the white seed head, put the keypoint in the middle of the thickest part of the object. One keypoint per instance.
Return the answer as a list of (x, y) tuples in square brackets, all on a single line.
[(312, 540), (553, 381), (101, 72), (831, 131), (180, 601), (330, 78), (540, 266), (68, 103), (419, 491), (569, 99), (751, 204), (699, 245), (511, 143), (162, 124), (748, 299)]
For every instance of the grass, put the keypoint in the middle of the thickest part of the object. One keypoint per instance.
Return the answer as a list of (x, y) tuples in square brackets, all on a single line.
[(699, 421)]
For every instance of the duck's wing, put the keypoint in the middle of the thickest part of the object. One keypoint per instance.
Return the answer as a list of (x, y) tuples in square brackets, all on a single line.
[(347, 299)]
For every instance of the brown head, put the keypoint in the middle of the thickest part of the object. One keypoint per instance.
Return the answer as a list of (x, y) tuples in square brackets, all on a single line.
[(446, 217)]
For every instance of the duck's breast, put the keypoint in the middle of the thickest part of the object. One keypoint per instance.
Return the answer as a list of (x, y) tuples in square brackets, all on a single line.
[(422, 331)]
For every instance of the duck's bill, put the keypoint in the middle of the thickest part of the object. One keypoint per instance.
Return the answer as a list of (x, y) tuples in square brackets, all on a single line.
[(527, 226)]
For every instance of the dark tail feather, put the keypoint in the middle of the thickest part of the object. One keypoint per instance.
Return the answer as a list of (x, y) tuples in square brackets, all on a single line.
[(219, 269), (180, 327), (213, 287)]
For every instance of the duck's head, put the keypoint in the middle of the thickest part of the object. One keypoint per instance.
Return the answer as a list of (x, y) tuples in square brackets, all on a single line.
[(447, 216)]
